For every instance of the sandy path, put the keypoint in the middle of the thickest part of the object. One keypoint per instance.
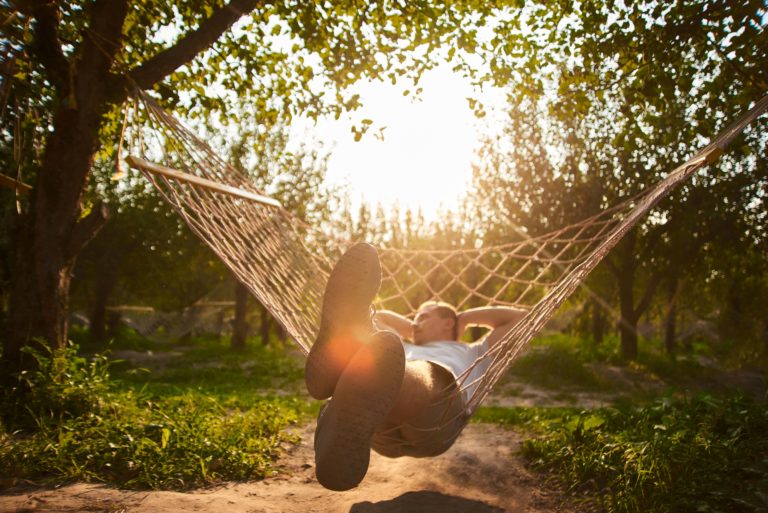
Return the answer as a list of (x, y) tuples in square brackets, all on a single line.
[(482, 473)]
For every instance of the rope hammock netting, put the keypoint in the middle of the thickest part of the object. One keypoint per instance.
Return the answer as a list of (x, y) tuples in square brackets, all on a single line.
[(286, 263)]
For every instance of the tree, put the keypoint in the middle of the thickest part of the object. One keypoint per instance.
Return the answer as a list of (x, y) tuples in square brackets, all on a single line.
[(73, 63), (143, 256), (641, 85)]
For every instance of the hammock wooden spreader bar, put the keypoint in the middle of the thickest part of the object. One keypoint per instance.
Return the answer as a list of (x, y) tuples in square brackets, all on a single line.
[(11, 183), (145, 165)]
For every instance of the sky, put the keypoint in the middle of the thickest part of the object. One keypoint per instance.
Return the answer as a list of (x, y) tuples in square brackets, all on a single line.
[(424, 158)]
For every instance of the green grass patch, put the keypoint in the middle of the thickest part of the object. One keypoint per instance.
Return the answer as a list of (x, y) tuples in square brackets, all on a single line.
[(536, 419), (209, 365), (126, 338), (556, 362), (566, 362), (201, 417), (700, 454)]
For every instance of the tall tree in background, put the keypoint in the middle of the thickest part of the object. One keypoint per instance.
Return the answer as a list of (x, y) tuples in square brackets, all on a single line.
[(68, 65), (144, 255), (649, 82)]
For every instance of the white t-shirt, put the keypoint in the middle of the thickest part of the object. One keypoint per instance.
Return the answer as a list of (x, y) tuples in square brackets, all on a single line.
[(456, 358)]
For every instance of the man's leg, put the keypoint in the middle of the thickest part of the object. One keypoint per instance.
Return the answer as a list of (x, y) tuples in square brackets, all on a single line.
[(427, 416), (345, 320), (364, 395)]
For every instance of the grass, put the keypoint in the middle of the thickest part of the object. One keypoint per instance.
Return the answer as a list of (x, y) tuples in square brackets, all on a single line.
[(567, 363), (211, 366), (673, 448), (199, 414), (206, 416), (556, 362), (696, 454)]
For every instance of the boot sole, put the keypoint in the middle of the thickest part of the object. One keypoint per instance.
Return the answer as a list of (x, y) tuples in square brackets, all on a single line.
[(345, 318)]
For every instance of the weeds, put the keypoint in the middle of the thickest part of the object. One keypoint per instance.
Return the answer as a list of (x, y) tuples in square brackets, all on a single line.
[(172, 433), (702, 454)]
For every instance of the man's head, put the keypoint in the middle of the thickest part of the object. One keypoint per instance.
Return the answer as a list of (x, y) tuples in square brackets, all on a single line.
[(435, 321)]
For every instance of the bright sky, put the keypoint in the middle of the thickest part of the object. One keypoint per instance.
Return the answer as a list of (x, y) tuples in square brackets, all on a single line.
[(424, 159)]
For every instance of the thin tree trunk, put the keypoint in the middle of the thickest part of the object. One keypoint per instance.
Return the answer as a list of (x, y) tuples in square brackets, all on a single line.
[(625, 270), (670, 316), (98, 320), (628, 334), (598, 323), (265, 325), (240, 325), (628, 321)]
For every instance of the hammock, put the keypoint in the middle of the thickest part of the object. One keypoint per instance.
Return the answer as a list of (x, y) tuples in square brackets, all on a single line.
[(285, 263)]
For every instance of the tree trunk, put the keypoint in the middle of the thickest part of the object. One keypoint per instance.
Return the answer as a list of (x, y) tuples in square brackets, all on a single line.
[(598, 323), (670, 316), (98, 321), (38, 299), (628, 332), (265, 325), (625, 272), (240, 325), (49, 237), (52, 231)]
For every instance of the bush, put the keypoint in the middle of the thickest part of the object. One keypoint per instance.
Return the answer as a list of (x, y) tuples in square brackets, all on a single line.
[(703, 454), (63, 386), (88, 427)]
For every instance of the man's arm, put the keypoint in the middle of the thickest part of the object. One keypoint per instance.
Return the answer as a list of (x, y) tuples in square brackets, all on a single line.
[(500, 319), (387, 319)]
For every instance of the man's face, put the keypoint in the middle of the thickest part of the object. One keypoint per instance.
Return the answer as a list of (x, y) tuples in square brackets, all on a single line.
[(428, 326)]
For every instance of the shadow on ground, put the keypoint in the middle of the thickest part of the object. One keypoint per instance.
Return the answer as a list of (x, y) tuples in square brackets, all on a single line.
[(425, 502)]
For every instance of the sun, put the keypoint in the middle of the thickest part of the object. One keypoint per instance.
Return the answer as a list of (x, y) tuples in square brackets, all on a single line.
[(418, 153)]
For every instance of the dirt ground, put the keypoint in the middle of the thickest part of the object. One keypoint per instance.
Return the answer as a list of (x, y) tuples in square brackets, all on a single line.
[(482, 473)]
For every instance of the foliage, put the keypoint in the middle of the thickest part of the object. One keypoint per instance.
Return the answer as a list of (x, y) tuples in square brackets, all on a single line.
[(144, 254), (174, 432), (63, 386), (607, 97), (68, 66), (283, 58), (699, 454)]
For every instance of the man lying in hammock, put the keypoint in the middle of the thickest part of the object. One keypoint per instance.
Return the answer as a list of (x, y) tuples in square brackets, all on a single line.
[(401, 399)]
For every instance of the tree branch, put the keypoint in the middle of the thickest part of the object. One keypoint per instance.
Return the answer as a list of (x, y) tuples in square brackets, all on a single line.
[(87, 228), (650, 290), (164, 63), (47, 46), (102, 41)]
